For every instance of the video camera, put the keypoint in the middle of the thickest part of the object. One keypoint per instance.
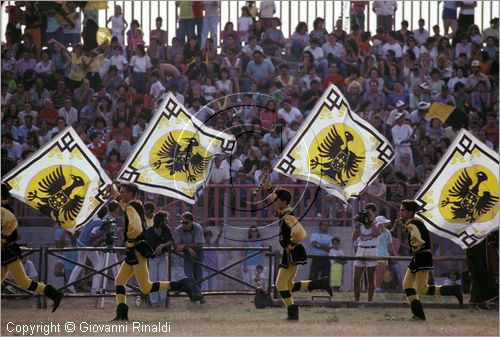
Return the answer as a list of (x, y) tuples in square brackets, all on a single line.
[(363, 217), (108, 227)]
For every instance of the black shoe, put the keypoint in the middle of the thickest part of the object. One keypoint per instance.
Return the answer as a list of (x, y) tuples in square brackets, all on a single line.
[(321, 284), (293, 313), (182, 285), (417, 310), (54, 295), (202, 299), (455, 290), (121, 312)]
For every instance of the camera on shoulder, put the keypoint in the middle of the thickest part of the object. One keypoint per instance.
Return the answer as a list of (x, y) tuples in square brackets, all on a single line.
[(363, 217)]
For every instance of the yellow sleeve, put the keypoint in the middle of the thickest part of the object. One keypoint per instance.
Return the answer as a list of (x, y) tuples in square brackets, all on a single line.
[(298, 233), (134, 223), (415, 239), (9, 222)]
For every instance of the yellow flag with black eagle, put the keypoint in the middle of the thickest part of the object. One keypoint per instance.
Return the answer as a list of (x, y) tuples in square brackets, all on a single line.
[(62, 180), (174, 155), (459, 200), (336, 149)]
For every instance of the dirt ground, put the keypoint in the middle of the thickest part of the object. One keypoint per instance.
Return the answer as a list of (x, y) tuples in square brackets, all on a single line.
[(237, 316)]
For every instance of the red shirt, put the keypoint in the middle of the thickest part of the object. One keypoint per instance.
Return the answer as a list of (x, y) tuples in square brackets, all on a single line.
[(49, 115), (198, 9), (491, 132), (337, 79)]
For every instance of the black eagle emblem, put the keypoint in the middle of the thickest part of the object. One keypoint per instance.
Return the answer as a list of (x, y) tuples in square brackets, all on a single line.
[(337, 161), (468, 203), (56, 201), (181, 159)]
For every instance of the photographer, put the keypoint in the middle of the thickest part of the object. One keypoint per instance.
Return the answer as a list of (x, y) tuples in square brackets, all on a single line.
[(366, 231), (160, 239)]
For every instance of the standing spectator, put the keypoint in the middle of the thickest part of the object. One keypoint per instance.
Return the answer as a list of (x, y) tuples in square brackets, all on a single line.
[(139, 65), (385, 11), (402, 138), (250, 264), (492, 30), (466, 16), (210, 257), (245, 22), (299, 39), (159, 34), (157, 89), (384, 248), (421, 34), (118, 25), (367, 233), (210, 22), (450, 17), (160, 239), (320, 242), (358, 13), (337, 266), (266, 14), (186, 21), (188, 239), (72, 35)]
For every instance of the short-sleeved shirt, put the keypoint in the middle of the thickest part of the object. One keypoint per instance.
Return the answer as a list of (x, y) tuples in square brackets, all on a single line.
[(194, 236), (260, 71), (155, 240), (321, 238), (384, 240)]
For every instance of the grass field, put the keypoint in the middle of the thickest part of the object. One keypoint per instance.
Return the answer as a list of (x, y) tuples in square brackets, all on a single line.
[(237, 316)]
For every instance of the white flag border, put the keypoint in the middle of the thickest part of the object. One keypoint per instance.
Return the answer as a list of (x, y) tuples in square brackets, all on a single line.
[(169, 107), (89, 156), (331, 98), (474, 143)]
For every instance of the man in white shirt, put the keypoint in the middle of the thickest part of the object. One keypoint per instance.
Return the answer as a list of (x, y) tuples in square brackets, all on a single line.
[(401, 137), (290, 113), (332, 49), (139, 128), (385, 11), (400, 109), (251, 46), (393, 45), (13, 148), (157, 89), (68, 112), (417, 115), (421, 34), (118, 60), (220, 171)]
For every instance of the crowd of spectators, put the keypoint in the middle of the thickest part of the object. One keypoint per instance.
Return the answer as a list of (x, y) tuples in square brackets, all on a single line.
[(246, 77)]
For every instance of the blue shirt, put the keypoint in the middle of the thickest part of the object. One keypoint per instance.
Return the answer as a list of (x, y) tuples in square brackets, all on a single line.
[(257, 259), (84, 237), (260, 71), (384, 240), (325, 239)]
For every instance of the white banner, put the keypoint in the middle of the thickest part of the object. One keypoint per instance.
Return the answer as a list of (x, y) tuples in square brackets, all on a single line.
[(459, 200)]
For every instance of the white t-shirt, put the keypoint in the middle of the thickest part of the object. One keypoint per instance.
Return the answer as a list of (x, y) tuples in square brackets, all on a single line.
[(156, 90), (467, 11), (137, 131), (267, 9), (290, 116), (140, 64), (220, 174)]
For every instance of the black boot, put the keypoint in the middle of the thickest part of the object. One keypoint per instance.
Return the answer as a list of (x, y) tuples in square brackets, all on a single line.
[(293, 313), (121, 312), (182, 285), (54, 295), (455, 290), (321, 284), (417, 310)]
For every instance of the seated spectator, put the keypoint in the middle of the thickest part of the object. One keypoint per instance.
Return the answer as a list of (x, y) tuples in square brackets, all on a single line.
[(203, 113), (97, 147), (82, 95), (48, 112), (14, 149), (334, 77), (435, 83), (391, 78), (38, 93), (274, 138), (139, 128), (224, 83), (374, 96), (445, 97), (305, 81), (28, 111), (397, 194), (114, 164), (232, 63), (26, 128), (373, 75), (378, 188), (121, 126), (406, 167), (119, 144), (310, 97), (425, 165), (273, 40), (289, 113), (260, 71), (491, 128), (299, 39), (476, 76), (89, 112), (25, 64), (353, 96)]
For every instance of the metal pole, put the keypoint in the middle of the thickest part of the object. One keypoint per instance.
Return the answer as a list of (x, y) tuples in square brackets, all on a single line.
[(40, 265), (45, 274)]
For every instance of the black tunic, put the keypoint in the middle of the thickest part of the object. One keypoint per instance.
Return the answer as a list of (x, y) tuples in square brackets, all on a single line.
[(422, 258), (297, 255)]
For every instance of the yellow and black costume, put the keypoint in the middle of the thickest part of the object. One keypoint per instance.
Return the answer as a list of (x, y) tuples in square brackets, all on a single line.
[(11, 256), (136, 254), (415, 280), (294, 254)]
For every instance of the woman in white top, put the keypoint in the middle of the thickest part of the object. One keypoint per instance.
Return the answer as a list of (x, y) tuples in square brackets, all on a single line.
[(139, 64), (366, 231), (224, 85), (244, 24), (45, 66), (118, 24), (233, 65)]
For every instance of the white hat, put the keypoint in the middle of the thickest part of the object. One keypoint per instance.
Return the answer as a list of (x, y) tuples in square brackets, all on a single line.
[(399, 104), (398, 115), (381, 220), (475, 63), (423, 105)]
